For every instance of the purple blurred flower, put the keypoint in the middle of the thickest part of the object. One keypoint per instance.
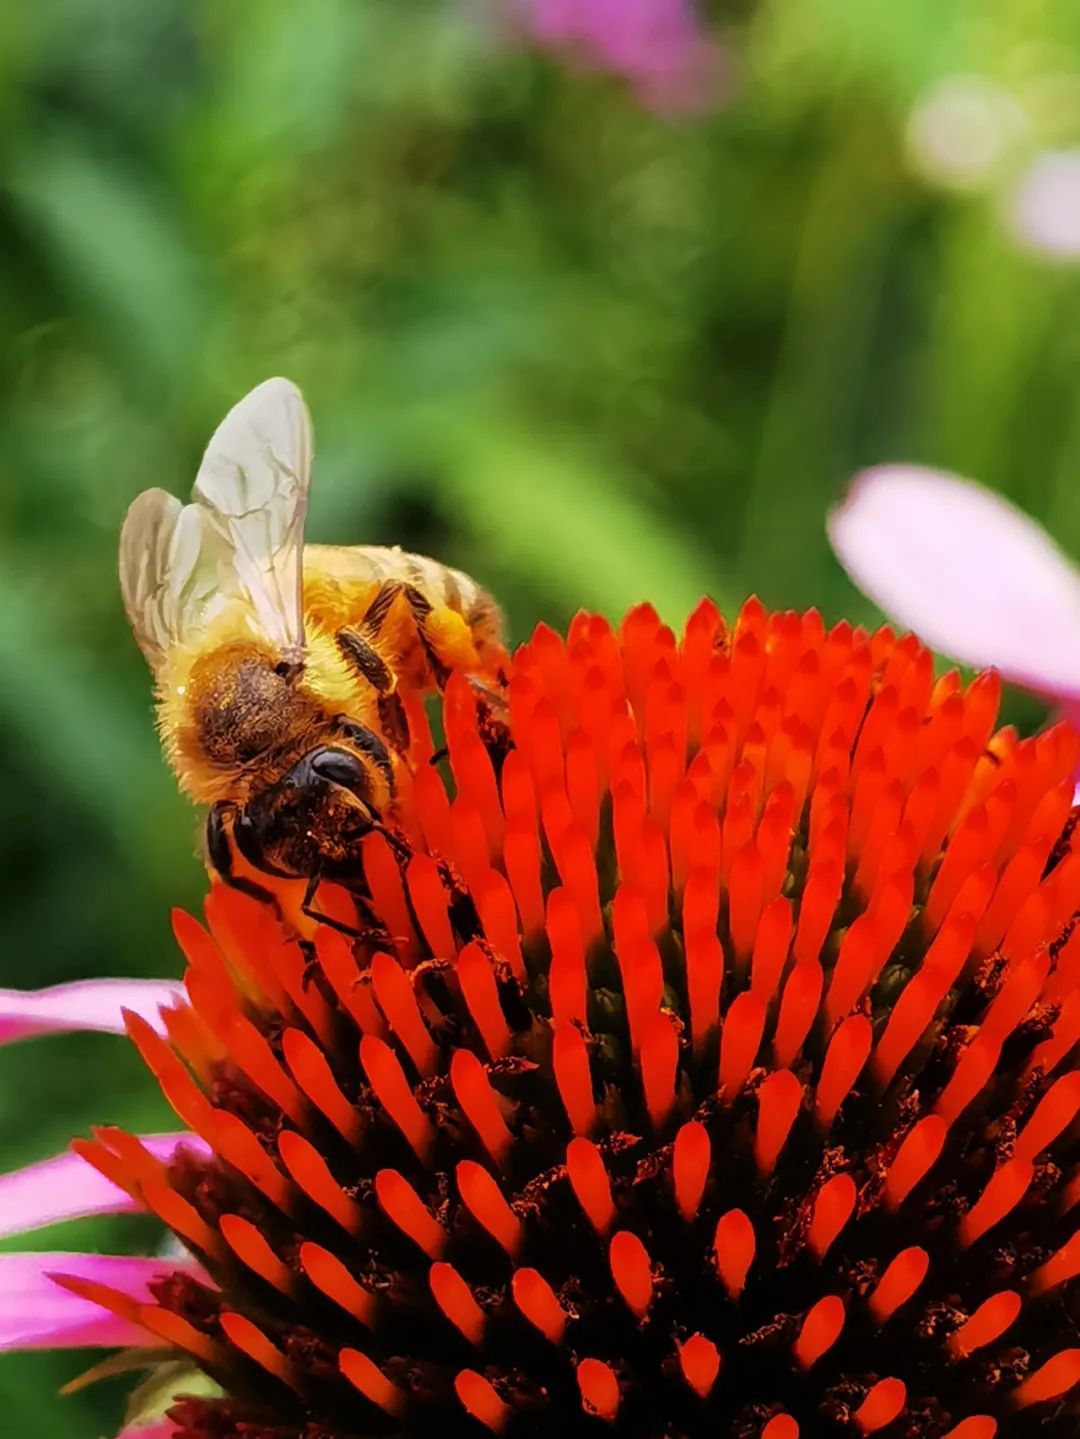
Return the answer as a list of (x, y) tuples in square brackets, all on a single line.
[(660, 46), (1044, 210), (974, 576)]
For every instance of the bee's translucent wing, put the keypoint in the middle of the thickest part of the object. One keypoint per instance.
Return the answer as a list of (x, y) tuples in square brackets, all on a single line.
[(252, 489), (169, 571)]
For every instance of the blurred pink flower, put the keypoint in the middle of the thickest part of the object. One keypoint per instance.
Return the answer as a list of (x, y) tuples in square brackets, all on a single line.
[(970, 573), (659, 46), (1044, 210)]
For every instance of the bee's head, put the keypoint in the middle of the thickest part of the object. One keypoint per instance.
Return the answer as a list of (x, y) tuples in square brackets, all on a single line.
[(311, 819), (242, 716)]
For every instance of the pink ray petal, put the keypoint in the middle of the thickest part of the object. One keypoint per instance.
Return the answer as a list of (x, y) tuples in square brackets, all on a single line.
[(84, 1004), (37, 1313), (972, 575), (66, 1187), (156, 1429)]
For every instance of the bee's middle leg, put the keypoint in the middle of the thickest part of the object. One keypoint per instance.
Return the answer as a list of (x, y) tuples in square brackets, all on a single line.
[(366, 660), (369, 927), (362, 655), (420, 610)]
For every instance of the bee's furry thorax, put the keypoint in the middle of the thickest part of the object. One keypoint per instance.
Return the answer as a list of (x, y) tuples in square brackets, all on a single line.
[(230, 717)]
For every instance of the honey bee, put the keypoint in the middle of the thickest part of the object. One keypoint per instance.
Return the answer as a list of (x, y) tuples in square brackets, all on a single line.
[(278, 666)]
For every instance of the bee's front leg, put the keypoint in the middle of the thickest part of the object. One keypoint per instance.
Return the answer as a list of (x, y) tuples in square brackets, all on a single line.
[(369, 927), (219, 853), (307, 907)]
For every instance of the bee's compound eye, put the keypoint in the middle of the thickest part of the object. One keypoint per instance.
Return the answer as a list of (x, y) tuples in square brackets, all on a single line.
[(339, 767)]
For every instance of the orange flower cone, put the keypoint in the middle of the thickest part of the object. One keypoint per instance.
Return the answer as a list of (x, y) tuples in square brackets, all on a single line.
[(702, 1060)]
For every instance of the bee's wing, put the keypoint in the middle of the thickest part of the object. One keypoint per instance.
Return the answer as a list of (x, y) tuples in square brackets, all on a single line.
[(252, 489), (169, 571)]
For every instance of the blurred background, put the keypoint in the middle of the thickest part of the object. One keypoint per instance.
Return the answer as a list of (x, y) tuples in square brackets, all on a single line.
[(593, 322)]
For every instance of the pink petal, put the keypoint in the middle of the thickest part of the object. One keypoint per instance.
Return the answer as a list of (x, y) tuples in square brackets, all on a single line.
[(37, 1313), (975, 577), (156, 1429), (66, 1187), (84, 1004)]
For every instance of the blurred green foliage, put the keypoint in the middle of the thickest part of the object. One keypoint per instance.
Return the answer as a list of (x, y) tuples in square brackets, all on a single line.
[(586, 353)]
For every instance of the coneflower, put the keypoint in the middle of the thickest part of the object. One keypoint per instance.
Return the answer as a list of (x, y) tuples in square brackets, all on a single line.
[(702, 1060)]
